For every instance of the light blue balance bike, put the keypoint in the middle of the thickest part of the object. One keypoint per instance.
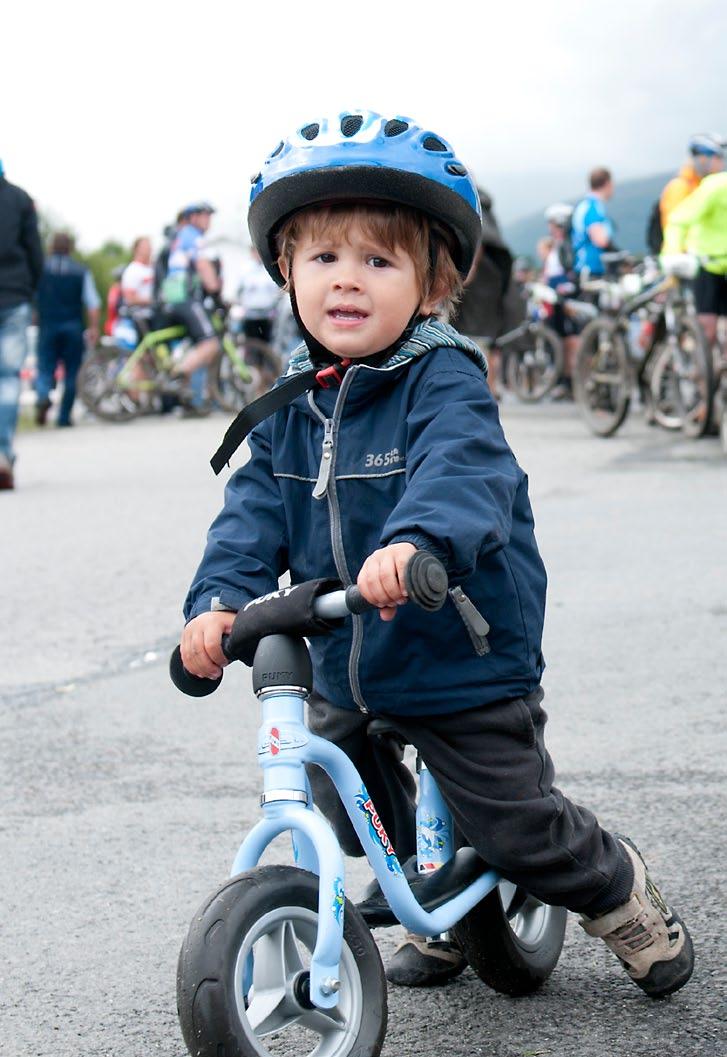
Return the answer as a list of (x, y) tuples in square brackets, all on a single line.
[(278, 960)]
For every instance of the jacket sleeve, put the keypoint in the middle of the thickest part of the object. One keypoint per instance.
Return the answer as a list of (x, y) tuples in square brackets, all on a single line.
[(690, 210), (30, 238), (247, 546), (461, 475)]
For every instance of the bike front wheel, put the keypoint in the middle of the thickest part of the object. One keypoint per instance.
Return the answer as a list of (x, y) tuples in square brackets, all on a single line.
[(243, 975), (99, 388), (603, 377), (662, 401), (512, 940), (232, 388), (533, 373)]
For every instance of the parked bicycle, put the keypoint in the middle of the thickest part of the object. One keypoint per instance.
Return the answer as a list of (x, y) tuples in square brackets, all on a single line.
[(532, 352), (278, 956), (119, 382), (646, 337)]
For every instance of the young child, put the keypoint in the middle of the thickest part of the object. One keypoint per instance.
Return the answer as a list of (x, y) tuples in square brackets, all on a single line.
[(371, 224)]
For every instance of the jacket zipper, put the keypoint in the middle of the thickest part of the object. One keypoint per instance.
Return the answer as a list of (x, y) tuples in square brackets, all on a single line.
[(326, 486)]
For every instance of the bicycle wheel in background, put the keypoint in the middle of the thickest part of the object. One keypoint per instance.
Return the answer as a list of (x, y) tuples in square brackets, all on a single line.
[(662, 401), (693, 378), (533, 373), (602, 378), (229, 389), (98, 387)]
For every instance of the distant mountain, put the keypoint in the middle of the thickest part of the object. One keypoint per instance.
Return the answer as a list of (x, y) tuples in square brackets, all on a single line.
[(629, 207)]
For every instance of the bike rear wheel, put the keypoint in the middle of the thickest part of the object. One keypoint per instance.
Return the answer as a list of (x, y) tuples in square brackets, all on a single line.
[(233, 392), (533, 373), (99, 389), (603, 377), (512, 940), (693, 378)]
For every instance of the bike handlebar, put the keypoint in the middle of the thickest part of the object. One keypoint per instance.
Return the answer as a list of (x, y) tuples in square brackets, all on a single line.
[(426, 583)]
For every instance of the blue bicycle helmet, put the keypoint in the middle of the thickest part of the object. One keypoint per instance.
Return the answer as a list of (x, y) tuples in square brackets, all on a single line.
[(709, 143), (361, 155)]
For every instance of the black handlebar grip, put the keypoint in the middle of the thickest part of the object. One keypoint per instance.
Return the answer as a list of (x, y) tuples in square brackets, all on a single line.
[(426, 581), (185, 681), (355, 601)]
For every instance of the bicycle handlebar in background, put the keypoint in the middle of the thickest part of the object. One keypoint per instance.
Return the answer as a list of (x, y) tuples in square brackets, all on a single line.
[(426, 583)]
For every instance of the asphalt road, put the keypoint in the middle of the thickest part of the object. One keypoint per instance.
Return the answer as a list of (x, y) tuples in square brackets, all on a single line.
[(122, 803)]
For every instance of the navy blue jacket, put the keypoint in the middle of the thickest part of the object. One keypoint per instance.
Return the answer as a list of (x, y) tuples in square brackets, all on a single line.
[(418, 455), (60, 292), (21, 256)]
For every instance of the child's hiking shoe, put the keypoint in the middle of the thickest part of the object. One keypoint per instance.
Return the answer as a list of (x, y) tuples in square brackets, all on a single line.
[(649, 939), (421, 962)]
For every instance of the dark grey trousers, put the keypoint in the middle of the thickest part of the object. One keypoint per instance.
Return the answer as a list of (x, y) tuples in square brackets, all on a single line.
[(496, 776)]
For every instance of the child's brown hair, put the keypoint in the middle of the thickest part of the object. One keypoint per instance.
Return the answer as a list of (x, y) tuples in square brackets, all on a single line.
[(392, 226)]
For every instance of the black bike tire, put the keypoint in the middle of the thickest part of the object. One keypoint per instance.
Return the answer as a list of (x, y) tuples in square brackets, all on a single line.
[(272, 369), (659, 359), (496, 954), (205, 986), (555, 346), (92, 399), (703, 355), (600, 424)]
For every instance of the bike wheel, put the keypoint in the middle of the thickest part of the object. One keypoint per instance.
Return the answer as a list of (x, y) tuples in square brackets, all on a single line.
[(242, 979), (533, 373), (662, 400), (229, 389), (602, 377), (98, 386), (693, 378), (512, 940)]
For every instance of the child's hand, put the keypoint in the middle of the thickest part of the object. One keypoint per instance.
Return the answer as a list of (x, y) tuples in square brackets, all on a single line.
[(381, 580), (201, 644)]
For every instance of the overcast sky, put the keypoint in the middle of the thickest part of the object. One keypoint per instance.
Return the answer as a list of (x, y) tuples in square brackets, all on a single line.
[(113, 115)]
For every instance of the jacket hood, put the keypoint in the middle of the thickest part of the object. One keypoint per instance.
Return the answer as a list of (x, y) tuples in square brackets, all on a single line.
[(427, 335)]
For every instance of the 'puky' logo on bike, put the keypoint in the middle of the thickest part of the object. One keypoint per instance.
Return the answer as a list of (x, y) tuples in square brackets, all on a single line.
[(366, 804)]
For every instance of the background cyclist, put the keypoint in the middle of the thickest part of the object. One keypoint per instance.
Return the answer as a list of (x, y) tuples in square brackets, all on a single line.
[(189, 277), (592, 229)]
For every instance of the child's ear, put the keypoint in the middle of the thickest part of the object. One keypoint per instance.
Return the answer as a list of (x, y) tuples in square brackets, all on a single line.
[(284, 269)]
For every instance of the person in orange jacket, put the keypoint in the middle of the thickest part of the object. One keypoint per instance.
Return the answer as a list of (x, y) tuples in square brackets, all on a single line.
[(706, 155)]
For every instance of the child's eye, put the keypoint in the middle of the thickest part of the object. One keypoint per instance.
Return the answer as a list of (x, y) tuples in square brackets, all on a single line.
[(326, 258), (378, 262)]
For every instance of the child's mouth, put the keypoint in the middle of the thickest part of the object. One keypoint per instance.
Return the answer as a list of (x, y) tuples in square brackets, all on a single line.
[(347, 316)]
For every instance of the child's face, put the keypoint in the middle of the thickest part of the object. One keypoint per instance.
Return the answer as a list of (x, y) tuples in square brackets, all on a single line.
[(354, 295)]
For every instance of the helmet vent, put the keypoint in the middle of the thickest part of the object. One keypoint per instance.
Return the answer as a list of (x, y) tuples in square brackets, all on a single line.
[(310, 131), (432, 143), (395, 127), (350, 124), (456, 169), (277, 149)]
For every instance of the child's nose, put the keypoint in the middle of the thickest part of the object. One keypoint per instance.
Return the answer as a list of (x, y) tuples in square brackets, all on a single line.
[(348, 277)]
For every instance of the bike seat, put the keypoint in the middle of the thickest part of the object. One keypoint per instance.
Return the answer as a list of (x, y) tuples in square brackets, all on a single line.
[(430, 890), (379, 727)]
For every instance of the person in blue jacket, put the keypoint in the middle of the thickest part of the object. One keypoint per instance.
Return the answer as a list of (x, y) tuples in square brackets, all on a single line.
[(372, 224)]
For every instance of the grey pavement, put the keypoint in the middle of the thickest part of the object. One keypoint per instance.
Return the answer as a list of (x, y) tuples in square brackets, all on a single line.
[(122, 802)]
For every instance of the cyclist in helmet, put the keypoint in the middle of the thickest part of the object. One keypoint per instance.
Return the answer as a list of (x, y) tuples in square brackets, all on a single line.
[(706, 152), (385, 439), (556, 252), (190, 276), (698, 225)]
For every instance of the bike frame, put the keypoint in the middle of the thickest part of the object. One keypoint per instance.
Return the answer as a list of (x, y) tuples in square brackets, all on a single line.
[(157, 343), (284, 746)]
